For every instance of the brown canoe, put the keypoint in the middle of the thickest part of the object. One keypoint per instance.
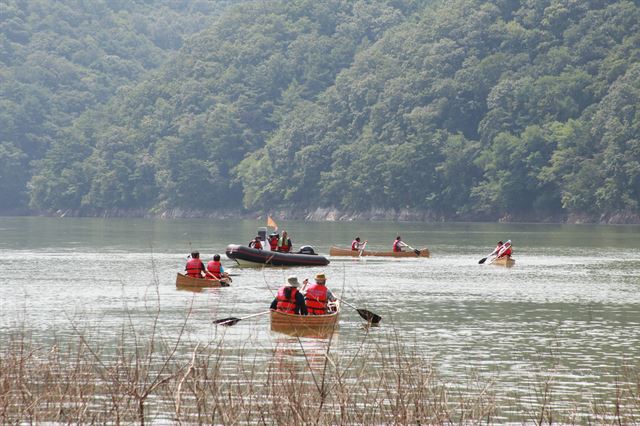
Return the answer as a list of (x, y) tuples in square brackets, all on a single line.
[(305, 325), (187, 281), (504, 261), (337, 251)]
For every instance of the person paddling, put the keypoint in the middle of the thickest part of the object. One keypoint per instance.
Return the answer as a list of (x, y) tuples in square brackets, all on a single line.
[(356, 245), (318, 295), (398, 244), (215, 270), (506, 250), (289, 300), (195, 267), (501, 250)]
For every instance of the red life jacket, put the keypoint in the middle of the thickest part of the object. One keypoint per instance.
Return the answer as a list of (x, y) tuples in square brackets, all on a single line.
[(194, 266), (396, 246), (214, 268), (285, 305), (257, 245), (316, 299), (273, 243), (506, 251), (354, 245)]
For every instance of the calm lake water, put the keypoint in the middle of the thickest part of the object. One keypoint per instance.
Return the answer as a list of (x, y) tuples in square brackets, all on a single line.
[(570, 307)]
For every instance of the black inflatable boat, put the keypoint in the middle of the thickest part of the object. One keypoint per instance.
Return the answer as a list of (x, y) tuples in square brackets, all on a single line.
[(247, 256)]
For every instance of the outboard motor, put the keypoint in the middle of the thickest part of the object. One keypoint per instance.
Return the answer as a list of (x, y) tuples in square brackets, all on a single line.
[(263, 234), (306, 250)]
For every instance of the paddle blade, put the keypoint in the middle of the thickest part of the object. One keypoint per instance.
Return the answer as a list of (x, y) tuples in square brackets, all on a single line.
[(481, 261), (369, 316), (227, 321), (417, 252)]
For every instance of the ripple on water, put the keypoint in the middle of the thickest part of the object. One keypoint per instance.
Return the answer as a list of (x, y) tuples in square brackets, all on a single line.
[(565, 314)]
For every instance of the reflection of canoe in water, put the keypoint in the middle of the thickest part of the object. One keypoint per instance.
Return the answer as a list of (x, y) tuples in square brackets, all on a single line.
[(504, 261), (187, 281), (305, 325), (248, 256), (337, 251)]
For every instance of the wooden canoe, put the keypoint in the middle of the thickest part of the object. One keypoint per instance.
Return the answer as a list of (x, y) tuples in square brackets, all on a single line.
[(504, 261), (305, 325), (183, 280), (337, 251)]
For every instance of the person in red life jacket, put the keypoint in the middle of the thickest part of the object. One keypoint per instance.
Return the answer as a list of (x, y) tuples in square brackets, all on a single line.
[(195, 267), (506, 250), (357, 245), (273, 241), (256, 243), (289, 299), (284, 243), (215, 271), (398, 244), (317, 296)]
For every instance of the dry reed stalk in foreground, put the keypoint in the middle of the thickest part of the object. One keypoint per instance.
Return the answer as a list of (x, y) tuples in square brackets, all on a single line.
[(141, 379), (86, 383)]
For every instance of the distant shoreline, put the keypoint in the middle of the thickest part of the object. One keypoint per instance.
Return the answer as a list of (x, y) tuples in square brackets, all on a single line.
[(339, 215)]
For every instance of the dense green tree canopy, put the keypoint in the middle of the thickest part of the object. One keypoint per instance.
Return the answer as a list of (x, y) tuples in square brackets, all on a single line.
[(464, 108), (60, 58)]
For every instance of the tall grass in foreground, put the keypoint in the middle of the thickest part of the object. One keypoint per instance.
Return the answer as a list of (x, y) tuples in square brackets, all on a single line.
[(147, 377)]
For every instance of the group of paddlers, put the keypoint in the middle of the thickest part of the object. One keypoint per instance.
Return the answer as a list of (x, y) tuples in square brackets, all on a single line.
[(213, 271), (398, 244), (311, 299), (276, 242)]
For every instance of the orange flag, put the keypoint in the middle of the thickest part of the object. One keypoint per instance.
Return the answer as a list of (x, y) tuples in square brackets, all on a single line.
[(271, 222)]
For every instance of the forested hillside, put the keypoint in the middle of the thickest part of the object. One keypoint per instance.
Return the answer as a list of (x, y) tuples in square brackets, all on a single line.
[(465, 109), (60, 58)]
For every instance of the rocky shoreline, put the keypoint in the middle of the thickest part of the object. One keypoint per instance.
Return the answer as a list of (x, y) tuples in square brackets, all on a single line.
[(338, 215)]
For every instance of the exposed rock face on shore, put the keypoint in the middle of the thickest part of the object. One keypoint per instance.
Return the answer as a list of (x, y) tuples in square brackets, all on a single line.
[(332, 214)]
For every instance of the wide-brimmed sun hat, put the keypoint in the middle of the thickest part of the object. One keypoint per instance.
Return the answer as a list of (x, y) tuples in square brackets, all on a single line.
[(293, 281), (320, 277)]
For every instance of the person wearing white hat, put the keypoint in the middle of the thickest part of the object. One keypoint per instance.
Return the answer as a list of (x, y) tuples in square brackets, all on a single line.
[(289, 299), (318, 295)]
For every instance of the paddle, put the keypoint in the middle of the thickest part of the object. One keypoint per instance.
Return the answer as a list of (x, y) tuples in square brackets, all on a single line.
[(362, 249), (417, 252), (365, 314), (484, 259), (233, 320)]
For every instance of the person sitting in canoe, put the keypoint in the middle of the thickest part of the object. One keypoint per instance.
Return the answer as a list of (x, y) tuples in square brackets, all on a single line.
[(215, 271), (256, 243), (289, 300), (273, 241), (398, 244), (505, 250), (356, 245), (317, 296), (195, 267), (284, 243)]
